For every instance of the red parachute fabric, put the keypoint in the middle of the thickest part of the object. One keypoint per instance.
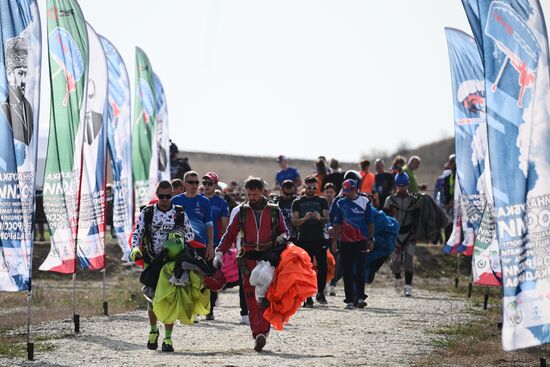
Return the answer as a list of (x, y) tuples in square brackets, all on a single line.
[(331, 266), (229, 267), (294, 282)]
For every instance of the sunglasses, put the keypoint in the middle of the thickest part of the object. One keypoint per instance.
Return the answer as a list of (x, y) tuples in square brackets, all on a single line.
[(311, 187), (164, 196), (193, 182), (208, 183)]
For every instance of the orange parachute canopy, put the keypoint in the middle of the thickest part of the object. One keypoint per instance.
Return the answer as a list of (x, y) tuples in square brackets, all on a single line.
[(294, 282), (331, 266)]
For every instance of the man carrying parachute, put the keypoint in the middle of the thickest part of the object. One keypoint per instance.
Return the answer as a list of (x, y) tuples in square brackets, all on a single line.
[(172, 279)]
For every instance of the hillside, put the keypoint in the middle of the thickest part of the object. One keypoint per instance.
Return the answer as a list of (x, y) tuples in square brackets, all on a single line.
[(238, 168)]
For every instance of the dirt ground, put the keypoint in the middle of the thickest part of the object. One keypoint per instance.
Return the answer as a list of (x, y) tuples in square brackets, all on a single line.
[(391, 331)]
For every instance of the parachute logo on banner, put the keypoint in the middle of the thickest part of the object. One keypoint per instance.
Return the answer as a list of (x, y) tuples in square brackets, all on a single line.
[(66, 54), (20, 59)]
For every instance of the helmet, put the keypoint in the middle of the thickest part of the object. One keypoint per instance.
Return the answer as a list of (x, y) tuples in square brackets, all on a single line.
[(352, 174), (173, 246), (402, 179), (216, 281)]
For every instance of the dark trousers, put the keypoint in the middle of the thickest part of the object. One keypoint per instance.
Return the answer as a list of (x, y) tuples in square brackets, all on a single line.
[(317, 250), (242, 299), (338, 271), (354, 256)]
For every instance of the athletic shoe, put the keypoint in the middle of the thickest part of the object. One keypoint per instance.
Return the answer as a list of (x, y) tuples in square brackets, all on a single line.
[(167, 345), (196, 321), (320, 298), (360, 303), (398, 285), (308, 303), (152, 343), (210, 317), (332, 291), (245, 320), (349, 306), (260, 342), (408, 290)]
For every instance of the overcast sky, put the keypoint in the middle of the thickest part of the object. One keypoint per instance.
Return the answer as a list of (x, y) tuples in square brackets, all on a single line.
[(296, 77)]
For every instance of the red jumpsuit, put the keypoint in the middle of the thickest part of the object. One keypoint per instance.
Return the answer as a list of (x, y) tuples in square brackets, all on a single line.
[(253, 234)]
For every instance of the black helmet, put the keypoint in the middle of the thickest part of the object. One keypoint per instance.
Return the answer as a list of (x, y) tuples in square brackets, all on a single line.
[(352, 174)]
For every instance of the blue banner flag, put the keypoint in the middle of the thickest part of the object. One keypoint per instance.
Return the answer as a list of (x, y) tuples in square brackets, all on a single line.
[(468, 85), (515, 49), (118, 122), (20, 59)]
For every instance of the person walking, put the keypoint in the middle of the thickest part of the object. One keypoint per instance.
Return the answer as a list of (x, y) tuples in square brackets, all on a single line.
[(154, 224), (402, 206), (263, 227), (309, 216), (353, 225)]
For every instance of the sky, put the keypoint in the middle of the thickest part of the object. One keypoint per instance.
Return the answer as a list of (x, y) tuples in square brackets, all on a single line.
[(302, 78)]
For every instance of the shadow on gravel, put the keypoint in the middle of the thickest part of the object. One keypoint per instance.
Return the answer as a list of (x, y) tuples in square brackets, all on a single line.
[(112, 344), (131, 317), (241, 352), (394, 311), (43, 364)]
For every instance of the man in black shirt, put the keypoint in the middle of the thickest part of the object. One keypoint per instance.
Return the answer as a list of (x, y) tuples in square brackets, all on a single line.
[(288, 195), (336, 177), (309, 216), (383, 183)]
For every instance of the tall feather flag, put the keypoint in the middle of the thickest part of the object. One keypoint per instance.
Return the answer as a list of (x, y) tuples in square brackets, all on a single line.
[(144, 137), (513, 39), (163, 137), (68, 60), (470, 122), (92, 207), (20, 57), (119, 128)]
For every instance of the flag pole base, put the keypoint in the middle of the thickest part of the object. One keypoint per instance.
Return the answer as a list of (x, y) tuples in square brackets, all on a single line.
[(30, 351), (543, 362), (456, 282), (76, 320), (105, 308), (485, 301)]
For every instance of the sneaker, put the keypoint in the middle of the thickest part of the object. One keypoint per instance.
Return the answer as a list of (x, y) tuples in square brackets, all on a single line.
[(196, 321), (360, 303), (210, 317), (152, 343), (167, 345), (349, 306), (245, 320), (332, 291), (398, 285), (320, 298), (260, 342), (308, 303), (408, 290)]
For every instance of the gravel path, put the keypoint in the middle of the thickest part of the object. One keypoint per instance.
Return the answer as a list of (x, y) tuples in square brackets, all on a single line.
[(391, 331)]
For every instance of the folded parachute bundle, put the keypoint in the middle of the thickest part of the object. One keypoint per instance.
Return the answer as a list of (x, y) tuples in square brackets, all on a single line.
[(293, 283), (261, 278), (386, 230), (180, 302)]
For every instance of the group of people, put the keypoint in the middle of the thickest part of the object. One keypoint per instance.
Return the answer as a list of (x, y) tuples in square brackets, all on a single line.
[(330, 213)]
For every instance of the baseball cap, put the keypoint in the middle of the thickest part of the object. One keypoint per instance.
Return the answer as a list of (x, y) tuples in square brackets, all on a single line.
[(281, 158), (212, 176), (348, 186)]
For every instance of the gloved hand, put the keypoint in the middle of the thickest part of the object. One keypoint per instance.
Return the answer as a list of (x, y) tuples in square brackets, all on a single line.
[(135, 254), (218, 261)]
